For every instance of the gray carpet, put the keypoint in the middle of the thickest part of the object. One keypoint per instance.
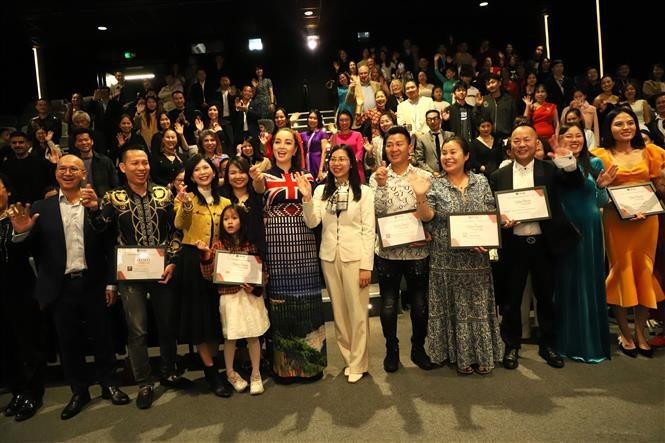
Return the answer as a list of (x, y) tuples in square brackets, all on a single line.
[(619, 400)]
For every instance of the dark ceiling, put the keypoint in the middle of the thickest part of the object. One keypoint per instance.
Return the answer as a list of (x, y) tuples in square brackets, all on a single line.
[(162, 32)]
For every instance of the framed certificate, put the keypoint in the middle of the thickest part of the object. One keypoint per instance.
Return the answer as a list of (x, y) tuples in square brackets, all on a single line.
[(474, 229), (237, 269), (400, 228), (524, 205), (631, 199), (140, 264)]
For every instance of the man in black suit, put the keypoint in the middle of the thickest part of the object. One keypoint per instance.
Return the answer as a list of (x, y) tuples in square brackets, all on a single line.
[(184, 115), (101, 174), (71, 278), (532, 246), (202, 91), (657, 124), (105, 114), (246, 117), (30, 174)]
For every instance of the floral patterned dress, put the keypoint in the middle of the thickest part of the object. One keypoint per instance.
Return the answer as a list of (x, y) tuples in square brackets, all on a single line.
[(463, 327)]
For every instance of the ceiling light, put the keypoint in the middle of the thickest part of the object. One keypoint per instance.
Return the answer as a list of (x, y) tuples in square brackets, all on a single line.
[(102, 28), (255, 44), (312, 42), (309, 13), (139, 76), (483, 4)]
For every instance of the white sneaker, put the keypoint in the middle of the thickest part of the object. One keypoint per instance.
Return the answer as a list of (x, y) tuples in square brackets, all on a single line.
[(347, 371), (238, 383), (256, 386)]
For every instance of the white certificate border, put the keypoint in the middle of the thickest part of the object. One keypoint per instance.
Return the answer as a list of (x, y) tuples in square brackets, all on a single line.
[(234, 283), (118, 248), (464, 214), (526, 220), (378, 227), (611, 189)]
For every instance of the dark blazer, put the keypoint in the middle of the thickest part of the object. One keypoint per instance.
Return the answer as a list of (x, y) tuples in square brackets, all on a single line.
[(252, 123), (47, 242), (560, 235), (656, 135), (198, 96), (104, 174)]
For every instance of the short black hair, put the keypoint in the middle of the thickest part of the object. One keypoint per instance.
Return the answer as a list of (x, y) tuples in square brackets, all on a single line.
[(18, 134), (78, 131)]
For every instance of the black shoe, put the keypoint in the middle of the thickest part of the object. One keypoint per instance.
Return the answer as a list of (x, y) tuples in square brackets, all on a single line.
[(176, 382), (551, 357), (632, 353), (421, 359), (391, 362), (216, 383), (75, 405), (114, 394), (648, 353), (510, 358), (28, 408), (12, 408), (145, 397)]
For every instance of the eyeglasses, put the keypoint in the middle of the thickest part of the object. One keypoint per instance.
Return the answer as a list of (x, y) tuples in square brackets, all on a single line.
[(72, 169), (339, 159)]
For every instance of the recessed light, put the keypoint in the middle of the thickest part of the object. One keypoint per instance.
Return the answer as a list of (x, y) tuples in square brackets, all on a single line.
[(309, 13), (102, 28), (483, 4)]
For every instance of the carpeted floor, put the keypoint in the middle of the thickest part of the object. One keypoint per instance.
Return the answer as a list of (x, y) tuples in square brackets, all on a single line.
[(619, 400)]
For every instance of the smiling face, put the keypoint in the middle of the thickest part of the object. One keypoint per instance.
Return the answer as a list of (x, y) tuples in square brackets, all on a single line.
[(630, 92), (312, 121), (284, 148), (136, 167), (203, 174), (343, 122), (340, 164), (238, 178), (280, 119), (169, 141), (411, 90), (485, 129), (523, 144), (385, 123), (69, 173), (380, 99), (126, 125), (623, 128), (209, 145), (247, 149), (573, 140), (213, 113), (397, 149), (606, 84), (4, 196), (541, 94), (164, 122), (453, 157)]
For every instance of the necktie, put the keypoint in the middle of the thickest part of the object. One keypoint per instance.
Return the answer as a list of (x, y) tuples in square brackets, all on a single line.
[(437, 142)]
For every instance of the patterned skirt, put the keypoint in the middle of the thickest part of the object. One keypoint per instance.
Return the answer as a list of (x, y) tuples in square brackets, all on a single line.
[(294, 294)]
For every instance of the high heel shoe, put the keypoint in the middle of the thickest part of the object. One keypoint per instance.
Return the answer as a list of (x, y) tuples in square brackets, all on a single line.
[(632, 353)]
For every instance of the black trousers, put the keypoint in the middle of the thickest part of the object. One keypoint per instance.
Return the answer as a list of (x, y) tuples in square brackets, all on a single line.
[(80, 313), (416, 273), (523, 255), (24, 350)]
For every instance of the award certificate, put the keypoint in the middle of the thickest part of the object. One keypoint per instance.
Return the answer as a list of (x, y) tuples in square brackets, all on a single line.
[(237, 269), (140, 264), (471, 230), (400, 228), (631, 199), (524, 205)]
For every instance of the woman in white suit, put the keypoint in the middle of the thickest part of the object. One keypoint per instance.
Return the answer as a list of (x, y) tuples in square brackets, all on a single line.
[(345, 207)]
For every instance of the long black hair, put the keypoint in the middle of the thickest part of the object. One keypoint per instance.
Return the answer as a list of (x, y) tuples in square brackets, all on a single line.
[(228, 240), (295, 160), (242, 164), (584, 157), (606, 138), (191, 184), (354, 176)]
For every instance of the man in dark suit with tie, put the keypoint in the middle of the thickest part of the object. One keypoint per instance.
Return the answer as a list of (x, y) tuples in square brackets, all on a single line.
[(531, 247), (427, 152), (71, 278)]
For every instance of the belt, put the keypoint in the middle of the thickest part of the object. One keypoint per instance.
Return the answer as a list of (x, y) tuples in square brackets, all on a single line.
[(75, 274), (528, 239)]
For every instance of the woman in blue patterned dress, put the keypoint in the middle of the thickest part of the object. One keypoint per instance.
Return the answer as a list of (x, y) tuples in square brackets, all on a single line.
[(462, 327), (294, 287)]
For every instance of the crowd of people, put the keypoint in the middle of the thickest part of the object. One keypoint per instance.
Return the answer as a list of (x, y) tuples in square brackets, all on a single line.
[(219, 170)]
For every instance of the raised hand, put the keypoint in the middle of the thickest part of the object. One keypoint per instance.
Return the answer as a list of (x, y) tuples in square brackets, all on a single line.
[(121, 139), (256, 173), (203, 247), (182, 196), (528, 101), (49, 136), (199, 123), (480, 100), (89, 197), (20, 217), (216, 127), (605, 178), (179, 128), (367, 145), (54, 155), (419, 184), (304, 186), (140, 107), (381, 174)]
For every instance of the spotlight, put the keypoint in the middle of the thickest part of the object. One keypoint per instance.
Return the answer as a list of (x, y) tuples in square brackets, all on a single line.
[(312, 42), (255, 44), (308, 13), (483, 4), (102, 28)]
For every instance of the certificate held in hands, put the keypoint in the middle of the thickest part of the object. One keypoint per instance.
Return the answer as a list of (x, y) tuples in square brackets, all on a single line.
[(140, 264), (237, 269), (474, 229), (400, 228), (631, 199), (524, 205)]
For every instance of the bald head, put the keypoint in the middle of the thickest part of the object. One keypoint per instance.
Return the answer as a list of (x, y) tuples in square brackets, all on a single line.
[(523, 144), (70, 172), (363, 73)]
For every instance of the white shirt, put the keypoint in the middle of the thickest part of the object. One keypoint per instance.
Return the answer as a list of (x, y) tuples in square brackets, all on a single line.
[(523, 178), (225, 104), (73, 218)]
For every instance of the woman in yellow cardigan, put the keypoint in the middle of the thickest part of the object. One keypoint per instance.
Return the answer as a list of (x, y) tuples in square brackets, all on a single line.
[(198, 207)]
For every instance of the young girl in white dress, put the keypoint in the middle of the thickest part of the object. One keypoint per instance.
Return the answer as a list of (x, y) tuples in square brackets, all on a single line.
[(242, 308)]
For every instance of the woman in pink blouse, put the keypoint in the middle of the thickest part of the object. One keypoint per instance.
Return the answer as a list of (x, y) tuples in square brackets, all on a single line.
[(346, 136)]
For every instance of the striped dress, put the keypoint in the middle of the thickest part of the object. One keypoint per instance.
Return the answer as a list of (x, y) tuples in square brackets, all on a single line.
[(294, 286)]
